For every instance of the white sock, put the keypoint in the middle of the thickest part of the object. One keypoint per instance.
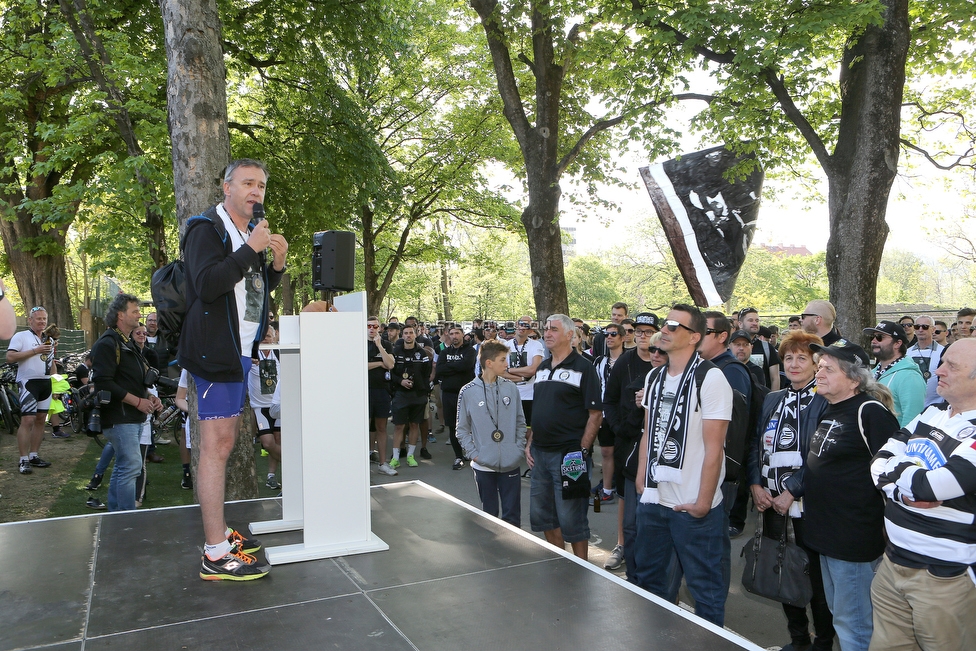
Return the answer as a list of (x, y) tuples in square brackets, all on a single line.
[(396, 453), (271, 475), (607, 492), (218, 551), (25, 459), (33, 455), (411, 449)]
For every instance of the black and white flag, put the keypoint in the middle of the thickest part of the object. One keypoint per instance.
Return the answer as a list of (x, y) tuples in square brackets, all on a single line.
[(709, 221)]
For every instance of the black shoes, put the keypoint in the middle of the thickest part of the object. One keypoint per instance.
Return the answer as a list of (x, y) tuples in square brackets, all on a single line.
[(424, 454), (38, 462), (94, 482), (235, 566)]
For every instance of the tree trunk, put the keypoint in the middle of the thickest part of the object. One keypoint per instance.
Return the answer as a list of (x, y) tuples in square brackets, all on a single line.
[(541, 221), (196, 100), (864, 165), (446, 293)]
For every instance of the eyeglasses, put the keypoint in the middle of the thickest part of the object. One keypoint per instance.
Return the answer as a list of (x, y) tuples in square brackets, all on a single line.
[(523, 324), (908, 325), (672, 326), (712, 331), (879, 337), (656, 351), (371, 326), (613, 334), (643, 333), (803, 316), (629, 331), (922, 326), (938, 332), (37, 309)]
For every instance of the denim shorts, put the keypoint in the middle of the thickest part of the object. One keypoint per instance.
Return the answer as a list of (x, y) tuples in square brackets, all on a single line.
[(547, 508), (221, 399)]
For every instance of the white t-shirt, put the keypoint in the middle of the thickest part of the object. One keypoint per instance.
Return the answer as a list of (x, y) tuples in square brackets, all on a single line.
[(32, 368), (716, 404), (933, 354), (524, 355), (250, 299)]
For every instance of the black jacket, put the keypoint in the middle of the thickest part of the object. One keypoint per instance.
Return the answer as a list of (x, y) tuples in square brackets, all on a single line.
[(119, 368), (626, 419), (455, 368), (210, 343)]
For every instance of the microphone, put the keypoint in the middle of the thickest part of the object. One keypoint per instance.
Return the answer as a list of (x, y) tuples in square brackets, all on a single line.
[(257, 214)]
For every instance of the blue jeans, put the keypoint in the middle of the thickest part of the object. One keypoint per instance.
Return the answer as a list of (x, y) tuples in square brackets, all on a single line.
[(630, 529), (107, 453), (128, 465), (848, 589), (699, 544), (504, 486)]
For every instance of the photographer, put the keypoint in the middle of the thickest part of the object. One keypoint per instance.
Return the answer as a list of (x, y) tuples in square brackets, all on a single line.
[(119, 368)]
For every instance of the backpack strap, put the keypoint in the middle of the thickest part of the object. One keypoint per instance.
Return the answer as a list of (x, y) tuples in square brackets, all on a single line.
[(860, 423)]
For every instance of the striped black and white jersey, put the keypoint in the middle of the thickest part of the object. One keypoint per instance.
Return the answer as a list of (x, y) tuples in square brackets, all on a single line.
[(932, 459)]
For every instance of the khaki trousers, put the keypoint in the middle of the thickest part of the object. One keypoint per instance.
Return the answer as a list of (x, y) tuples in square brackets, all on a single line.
[(915, 610)]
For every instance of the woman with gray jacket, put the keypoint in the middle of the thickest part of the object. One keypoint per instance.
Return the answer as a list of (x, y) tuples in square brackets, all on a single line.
[(491, 430)]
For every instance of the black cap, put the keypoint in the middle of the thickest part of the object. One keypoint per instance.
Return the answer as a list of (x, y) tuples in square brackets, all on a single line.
[(765, 332), (740, 334), (647, 318), (843, 349), (889, 328)]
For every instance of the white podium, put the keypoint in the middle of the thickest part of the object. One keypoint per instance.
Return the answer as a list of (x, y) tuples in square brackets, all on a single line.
[(324, 435)]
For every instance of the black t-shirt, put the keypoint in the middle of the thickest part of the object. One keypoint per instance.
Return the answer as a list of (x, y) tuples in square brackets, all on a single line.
[(81, 373), (414, 363), (843, 512), (377, 376), (562, 402), (772, 359)]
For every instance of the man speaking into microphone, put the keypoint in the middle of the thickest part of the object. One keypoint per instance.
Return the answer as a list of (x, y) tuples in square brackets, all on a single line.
[(228, 284)]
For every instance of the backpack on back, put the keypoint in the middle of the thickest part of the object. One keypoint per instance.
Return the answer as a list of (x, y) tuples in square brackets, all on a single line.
[(168, 288), (745, 420)]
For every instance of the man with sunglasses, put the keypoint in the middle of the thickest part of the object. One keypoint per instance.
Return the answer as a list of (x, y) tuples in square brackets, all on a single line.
[(524, 358), (908, 325), (604, 365), (941, 333), (35, 359), (927, 353), (818, 319), (901, 375), (617, 314), (688, 404)]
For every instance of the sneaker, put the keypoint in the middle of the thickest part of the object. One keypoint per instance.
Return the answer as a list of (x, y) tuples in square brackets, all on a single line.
[(387, 470), (394, 463), (264, 452), (246, 545), (272, 483), (25, 467), (596, 489), (61, 434), (95, 503), (162, 441), (424, 454), (235, 566), (94, 482), (411, 461), (615, 559), (374, 457), (734, 532), (431, 438), (187, 483), (458, 463), (38, 462), (604, 498)]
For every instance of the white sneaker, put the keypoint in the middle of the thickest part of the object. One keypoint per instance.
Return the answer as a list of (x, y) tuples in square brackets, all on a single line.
[(387, 470)]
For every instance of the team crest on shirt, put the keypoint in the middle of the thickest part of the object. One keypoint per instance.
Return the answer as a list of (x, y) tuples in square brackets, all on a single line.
[(925, 453), (563, 375), (506, 401), (787, 437), (416, 355)]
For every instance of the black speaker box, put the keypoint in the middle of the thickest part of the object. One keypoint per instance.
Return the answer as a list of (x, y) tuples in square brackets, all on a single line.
[(334, 261)]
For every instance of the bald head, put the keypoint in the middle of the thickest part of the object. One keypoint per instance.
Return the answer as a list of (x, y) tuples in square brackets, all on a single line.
[(818, 317), (957, 375)]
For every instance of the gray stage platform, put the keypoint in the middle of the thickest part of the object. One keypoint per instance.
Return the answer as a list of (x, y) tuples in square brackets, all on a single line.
[(452, 579)]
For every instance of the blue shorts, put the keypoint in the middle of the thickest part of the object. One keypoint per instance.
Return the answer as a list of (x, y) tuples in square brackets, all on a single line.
[(547, 508), (221, 399)]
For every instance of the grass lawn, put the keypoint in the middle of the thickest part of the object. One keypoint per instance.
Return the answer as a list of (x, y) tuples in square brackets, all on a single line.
[(162, 490)]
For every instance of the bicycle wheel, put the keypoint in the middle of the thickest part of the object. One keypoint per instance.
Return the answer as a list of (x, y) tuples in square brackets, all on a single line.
[(10, 405)]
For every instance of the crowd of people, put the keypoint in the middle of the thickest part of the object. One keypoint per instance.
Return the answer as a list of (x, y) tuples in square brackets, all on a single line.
[(868, 455)]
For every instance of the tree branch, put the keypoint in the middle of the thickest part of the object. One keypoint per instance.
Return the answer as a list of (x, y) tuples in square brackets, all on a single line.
[(795, 115), (959, 162)]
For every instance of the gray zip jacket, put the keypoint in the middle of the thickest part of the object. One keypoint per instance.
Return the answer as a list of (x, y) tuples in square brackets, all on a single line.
[(475, 426)]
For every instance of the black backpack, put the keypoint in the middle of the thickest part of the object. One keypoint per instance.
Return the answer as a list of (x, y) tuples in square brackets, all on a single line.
[(169, 293), (745, 421)]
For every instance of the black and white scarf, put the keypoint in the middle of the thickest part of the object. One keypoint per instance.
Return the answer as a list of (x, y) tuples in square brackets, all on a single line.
[(667, 440), (781, 456)]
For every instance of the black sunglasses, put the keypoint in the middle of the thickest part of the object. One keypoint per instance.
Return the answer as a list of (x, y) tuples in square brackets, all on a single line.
[(655, 349), (939, 332), (672, 326), (879, 337), (805, 315), (613, 334), (922, 326), (712, 331)]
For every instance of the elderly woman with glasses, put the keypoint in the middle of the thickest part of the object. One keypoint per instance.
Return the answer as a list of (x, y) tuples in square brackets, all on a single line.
[(775, 470), (843, 513)]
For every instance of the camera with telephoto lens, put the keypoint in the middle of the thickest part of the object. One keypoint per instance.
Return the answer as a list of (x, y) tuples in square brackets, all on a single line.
[(95, 419), (151, 377)]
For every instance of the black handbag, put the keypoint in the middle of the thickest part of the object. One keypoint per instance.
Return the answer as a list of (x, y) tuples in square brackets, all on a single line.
[(777, 569)]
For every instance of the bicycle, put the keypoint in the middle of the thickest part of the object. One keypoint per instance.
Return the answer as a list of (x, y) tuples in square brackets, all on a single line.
[(9, 399)]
